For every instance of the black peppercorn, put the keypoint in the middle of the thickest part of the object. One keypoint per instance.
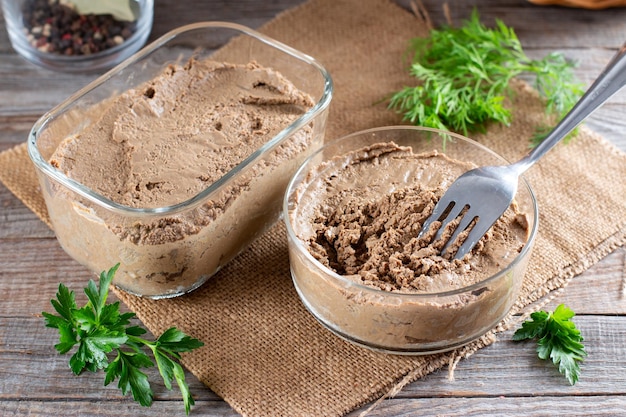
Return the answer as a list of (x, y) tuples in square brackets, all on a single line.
[(58, 28)]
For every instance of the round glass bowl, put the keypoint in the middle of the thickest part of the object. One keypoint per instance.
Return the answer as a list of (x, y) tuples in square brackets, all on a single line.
[(169, 250), (396, 321), (76, 43)]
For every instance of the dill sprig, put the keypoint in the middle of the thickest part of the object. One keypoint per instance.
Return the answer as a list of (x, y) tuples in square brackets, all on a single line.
[(464, 74)]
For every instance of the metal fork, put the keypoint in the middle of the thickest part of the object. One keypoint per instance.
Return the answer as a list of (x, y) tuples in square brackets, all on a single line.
[(483, 194)]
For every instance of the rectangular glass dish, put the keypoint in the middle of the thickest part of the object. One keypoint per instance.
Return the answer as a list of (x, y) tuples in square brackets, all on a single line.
[(170, 249)]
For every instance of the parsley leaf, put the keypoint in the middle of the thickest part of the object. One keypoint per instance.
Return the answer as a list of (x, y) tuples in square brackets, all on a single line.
[(126, 366), (104, 339), (558, 340), (166, 350), (463, 78)]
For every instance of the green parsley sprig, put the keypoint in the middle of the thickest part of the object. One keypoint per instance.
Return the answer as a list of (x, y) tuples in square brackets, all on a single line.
[(106, 340), (464, 74), (558, 339)]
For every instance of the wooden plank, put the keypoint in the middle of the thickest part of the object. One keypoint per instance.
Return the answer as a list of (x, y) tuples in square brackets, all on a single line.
[(28, 285), (600, 289), (244, 12), (14, 129), (500, 406), (508, 368), (541, 26), (19, 98), (602, 371), (33, 371), (17, 219), (610, 123), (111, 408), (450, 407)]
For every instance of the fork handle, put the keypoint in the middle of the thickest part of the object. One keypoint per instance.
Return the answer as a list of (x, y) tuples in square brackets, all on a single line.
[(610, 81)]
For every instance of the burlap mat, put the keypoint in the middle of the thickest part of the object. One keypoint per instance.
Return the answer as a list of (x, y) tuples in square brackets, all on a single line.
[(264, 354)]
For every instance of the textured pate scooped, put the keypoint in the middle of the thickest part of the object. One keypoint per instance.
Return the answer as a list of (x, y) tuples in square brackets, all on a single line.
[(364, 222)]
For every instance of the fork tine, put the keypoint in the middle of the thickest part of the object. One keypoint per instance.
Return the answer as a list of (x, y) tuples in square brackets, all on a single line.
[(465, 221), (477, 232), (439, 209), (454, 212)]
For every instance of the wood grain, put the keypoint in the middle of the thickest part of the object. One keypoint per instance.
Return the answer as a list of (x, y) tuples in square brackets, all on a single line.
[(503, 379)]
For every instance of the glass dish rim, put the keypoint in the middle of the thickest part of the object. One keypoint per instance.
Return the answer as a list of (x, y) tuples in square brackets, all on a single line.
[(322, 104), (301, 248)]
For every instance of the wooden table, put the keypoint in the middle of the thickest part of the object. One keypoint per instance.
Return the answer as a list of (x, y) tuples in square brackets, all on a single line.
[(504, 378)]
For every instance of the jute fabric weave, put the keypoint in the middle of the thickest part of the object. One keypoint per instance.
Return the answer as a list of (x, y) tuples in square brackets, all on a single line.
[(264, 354)]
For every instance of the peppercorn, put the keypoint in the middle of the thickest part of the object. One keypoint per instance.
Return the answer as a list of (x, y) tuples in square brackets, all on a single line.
[(55, 27)]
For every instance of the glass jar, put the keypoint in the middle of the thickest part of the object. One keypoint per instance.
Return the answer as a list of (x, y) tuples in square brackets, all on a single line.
[(78, 35)]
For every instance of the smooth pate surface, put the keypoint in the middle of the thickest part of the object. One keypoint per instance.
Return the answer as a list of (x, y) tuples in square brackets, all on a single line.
[(164, 142)]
